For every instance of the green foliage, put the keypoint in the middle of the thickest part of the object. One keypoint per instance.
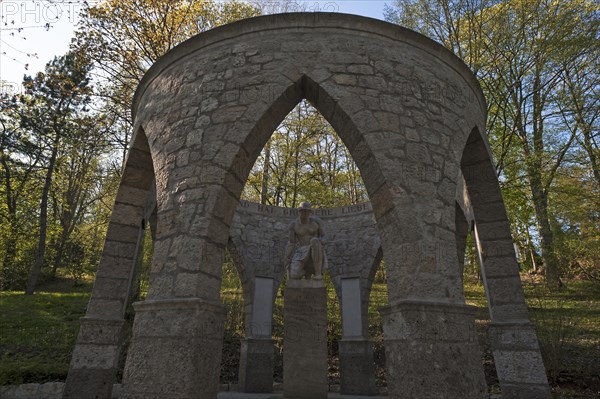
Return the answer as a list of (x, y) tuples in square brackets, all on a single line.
[(577, 223), (51, 164), (125, 37), (553, 333), (305, 160), (537, 62)]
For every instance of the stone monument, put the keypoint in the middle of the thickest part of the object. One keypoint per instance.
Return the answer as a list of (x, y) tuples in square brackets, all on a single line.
[(305, 310), (413, 118), (259, 237), (305, 340), (305, 256)]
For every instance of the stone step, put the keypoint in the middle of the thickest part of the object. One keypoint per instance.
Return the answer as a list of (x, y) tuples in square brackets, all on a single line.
[(53, 390)]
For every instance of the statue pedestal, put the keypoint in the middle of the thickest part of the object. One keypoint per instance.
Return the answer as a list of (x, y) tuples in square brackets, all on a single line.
[(357, 367), (305, 340), (256, 365)]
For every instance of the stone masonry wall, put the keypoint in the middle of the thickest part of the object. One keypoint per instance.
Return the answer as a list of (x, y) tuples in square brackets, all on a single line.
[(259, 235), (411, 115)]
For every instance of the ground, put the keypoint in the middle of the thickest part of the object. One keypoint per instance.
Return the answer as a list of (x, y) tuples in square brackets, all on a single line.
[(38, 332)]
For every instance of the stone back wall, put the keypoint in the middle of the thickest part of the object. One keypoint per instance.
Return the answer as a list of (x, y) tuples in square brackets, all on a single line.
[(259, 235)]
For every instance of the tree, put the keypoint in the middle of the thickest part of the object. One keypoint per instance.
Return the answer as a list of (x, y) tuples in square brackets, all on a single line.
[(305, 160), (521, 51), (75, 189), (49, 113), (20, 161), (124, 38), (578, 100)]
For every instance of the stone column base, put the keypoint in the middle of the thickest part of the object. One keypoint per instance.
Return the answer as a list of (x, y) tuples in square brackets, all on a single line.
[(357, 370), (95, 359), (518, 360), (431, 351), (256, 365), (305, 340), (175, 350)]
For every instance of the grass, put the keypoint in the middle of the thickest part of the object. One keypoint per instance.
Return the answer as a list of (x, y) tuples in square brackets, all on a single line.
[(568, 326), (568, 329), (37, 333)]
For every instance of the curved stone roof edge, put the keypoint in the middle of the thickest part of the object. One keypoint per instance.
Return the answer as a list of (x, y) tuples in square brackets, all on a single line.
[(300, 20), (322, 213)]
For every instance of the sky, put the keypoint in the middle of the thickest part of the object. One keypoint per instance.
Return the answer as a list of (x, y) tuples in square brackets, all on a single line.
[(34, 31)]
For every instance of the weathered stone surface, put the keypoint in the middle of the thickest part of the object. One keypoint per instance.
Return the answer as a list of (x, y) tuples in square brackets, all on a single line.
[(305, 340), (413, 118), (91, 383), (48, 390), (256, 365), (95, 359), (357, 370), (518, 361), (439, 342), (170, 338)]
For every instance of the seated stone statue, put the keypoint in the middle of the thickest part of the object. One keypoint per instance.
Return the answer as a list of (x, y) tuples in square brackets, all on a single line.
[(304, 256)]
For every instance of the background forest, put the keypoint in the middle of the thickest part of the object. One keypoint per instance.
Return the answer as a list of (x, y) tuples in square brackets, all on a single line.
[(63, 139)]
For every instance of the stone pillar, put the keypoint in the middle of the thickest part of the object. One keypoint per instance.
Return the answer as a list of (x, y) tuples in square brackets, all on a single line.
[(357, 372), (257, 351), (95, 359), (175, 347), (432, 351), (256, 365), (517, 356), (305, 340), (352, 320), (518, 360)]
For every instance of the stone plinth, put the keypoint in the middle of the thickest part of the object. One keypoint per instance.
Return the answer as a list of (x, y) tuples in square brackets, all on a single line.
[(518, 361), (95, 359), (175, 350), (431, 351), (305, 340), (256, 365), (257, 351), (357, 370)]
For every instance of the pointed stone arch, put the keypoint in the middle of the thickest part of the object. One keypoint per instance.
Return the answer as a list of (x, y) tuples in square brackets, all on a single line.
[(519, 364), (403, 105), (95, 358)]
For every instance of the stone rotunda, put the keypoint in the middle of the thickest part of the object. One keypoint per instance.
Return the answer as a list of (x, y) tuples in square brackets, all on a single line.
[(413, 118)]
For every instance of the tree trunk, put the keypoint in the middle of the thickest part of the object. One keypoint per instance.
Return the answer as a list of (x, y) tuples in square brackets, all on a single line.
[(264, 189), (64, 235), (529, 246), (41, 251), (11, 244), (591, 151), (539, 191), (540, 203), (296, 172)]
